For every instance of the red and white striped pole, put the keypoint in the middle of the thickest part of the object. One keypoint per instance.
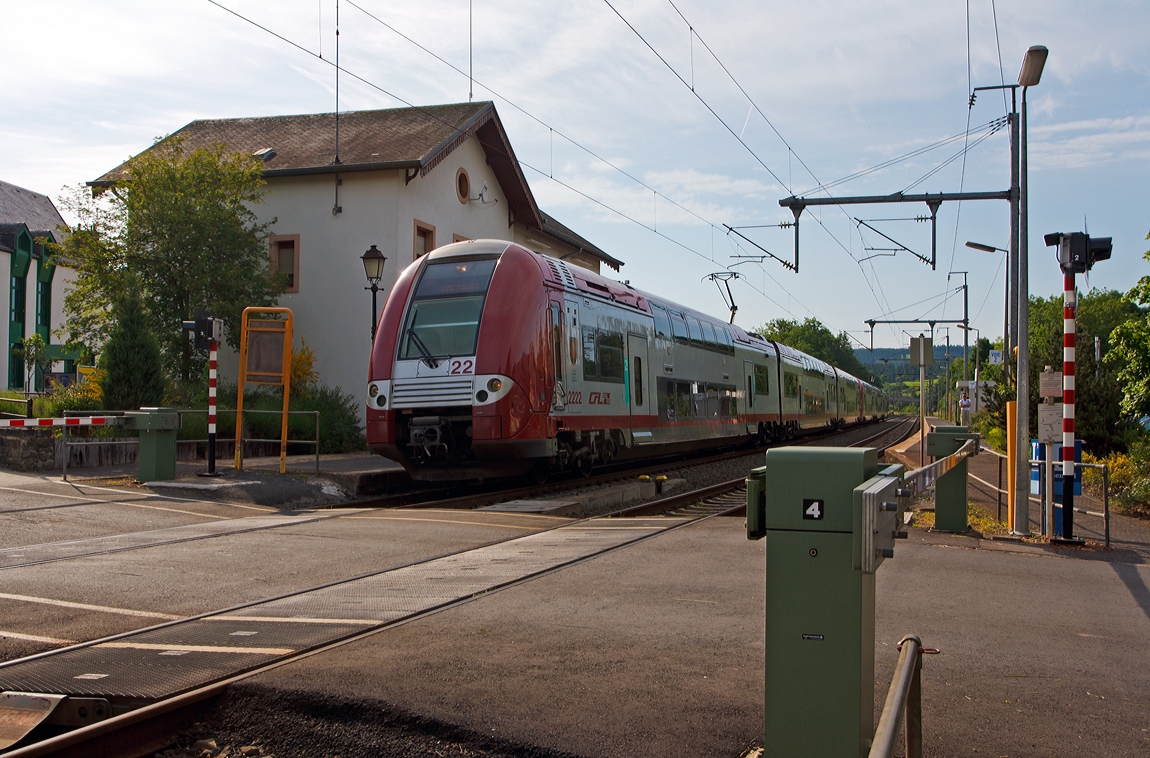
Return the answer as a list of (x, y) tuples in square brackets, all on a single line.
[(1069, 309), (213, 346)]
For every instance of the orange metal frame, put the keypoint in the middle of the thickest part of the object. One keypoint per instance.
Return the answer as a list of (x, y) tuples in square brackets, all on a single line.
[(284, 378)]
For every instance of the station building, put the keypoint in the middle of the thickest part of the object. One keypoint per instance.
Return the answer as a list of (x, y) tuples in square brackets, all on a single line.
[(407, 180), (34, 287)]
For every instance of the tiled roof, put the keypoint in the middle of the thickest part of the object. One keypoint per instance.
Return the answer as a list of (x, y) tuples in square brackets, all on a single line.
[(23, 206), (392, 138), (555, 229), (416, 139)]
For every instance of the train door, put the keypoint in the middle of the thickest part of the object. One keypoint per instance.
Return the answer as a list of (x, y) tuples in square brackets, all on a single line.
[(642, 402), (749, 394), (558, 357), (574, 350)]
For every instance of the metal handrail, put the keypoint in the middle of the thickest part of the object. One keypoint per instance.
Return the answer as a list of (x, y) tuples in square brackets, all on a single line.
[(903, 702), (922, 478)]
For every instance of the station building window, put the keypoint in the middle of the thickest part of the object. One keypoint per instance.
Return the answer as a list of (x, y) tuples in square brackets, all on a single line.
[(285, 259), (423, 241)]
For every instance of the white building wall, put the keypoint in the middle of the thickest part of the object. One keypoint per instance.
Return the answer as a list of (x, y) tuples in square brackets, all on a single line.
[(332, 310), (62, 281)]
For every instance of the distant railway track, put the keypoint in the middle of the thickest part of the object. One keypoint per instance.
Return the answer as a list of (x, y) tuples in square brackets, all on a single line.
[(153, 726)]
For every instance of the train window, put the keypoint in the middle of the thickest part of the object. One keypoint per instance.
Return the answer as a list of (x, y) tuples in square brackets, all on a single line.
[(679, 325), (725, 338), (728, 407), (683, 404), (695, 330), (762, 380), (638, 374), (713, 405), (556, 325), (662, 322), (709, 336), (790, 384), (610, 358), (666, 399), (590, 369), (453, 279)]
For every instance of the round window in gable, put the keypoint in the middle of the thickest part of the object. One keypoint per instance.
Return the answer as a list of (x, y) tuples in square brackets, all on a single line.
[(463, 186)]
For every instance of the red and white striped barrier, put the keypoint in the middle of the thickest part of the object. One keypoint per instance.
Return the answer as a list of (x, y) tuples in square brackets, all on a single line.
[(17, 423), (213, 349)]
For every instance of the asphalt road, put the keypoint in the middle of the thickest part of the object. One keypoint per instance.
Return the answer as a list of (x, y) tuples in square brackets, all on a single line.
[(655, 649)]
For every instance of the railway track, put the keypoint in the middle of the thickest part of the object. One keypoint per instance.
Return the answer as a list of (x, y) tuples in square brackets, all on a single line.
[(450, 497), (156, 697)]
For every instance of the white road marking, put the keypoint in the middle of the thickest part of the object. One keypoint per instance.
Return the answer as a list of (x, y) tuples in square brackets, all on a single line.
[(121, 502), (177, 499), (35, 638), (198, 648), (439, 521), (87, 606), (293, 620)]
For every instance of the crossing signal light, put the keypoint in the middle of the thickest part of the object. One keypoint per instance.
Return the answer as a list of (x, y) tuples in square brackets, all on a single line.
[(205, 328), (1077, 251)]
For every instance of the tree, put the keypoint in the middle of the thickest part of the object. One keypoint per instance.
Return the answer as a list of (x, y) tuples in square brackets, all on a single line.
[(179, 224), (134, 375), (34, 351), (1099, 419), (816, 340), (1131, 350)]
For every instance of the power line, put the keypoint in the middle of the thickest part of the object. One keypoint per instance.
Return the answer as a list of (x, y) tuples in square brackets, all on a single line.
[(435, 117)]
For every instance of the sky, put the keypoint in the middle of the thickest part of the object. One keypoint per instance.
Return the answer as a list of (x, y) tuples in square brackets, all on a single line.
[(650, 126)]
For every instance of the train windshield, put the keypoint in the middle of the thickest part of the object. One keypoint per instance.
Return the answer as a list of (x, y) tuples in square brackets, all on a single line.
[(444, 315)]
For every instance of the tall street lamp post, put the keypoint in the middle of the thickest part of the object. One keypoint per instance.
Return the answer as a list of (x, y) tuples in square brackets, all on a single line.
[(1031, 73), (1005, 301), (373, 262), (1029, 76)]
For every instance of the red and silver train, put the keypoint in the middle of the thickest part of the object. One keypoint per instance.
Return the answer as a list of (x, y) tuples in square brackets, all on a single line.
[(491, 360)]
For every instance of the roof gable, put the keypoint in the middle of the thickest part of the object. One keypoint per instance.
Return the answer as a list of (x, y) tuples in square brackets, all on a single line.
[(23, 206)]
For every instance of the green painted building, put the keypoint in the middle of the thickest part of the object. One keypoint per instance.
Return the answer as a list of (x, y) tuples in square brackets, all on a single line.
[(31, 286)]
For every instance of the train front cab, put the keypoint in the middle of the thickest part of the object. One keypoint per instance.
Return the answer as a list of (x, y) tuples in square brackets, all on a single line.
[(461, 378)]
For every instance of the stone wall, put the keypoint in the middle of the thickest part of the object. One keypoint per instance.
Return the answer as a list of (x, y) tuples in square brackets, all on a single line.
[(38, 450)]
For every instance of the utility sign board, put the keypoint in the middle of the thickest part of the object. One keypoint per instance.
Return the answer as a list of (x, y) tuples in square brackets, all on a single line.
[(1050, 422), (921, 351), (996, 357), (1050, 384)]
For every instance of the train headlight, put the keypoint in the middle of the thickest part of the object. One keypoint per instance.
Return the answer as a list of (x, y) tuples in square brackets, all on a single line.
[(372, 390), (481, 396), (381, 401), (494, 385)]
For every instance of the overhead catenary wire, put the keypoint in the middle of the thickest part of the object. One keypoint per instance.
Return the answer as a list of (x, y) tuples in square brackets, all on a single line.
[(542, 173)]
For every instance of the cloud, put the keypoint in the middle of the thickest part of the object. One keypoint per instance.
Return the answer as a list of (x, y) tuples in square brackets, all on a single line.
[(1090, 143)]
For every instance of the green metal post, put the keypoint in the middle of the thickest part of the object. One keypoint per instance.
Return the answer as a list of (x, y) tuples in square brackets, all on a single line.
[(818, 508), (157, 456)]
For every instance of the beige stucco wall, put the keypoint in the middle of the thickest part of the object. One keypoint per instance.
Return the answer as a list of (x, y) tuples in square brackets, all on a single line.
[(61, 282)]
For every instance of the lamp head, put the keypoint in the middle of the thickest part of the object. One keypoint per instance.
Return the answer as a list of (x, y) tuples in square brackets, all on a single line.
[(1032, 66), (373, 261)]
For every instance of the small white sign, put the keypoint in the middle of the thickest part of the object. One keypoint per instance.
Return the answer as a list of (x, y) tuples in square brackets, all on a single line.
[(1050, 422), (996, 357), (1050, 384)]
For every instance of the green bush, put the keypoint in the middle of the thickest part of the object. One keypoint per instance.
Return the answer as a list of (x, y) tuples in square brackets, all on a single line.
[(135, 373), (340, 430)]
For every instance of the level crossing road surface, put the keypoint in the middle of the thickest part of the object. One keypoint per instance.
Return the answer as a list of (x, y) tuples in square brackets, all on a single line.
[(654, 649)]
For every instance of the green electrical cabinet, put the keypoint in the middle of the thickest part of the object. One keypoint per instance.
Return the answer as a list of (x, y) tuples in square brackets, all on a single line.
[(829, 520), (157, 456), (950, 488)]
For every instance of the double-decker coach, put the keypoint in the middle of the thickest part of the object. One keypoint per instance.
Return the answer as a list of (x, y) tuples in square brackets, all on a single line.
[(492, 360)]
